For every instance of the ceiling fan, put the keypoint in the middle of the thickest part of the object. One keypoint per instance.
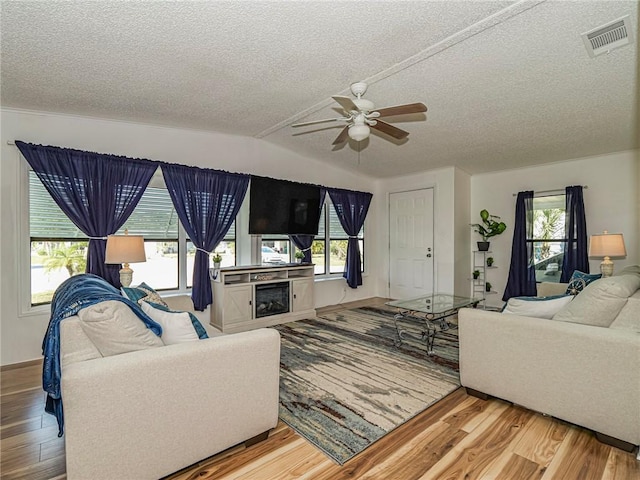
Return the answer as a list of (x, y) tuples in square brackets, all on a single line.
[(361, 115)]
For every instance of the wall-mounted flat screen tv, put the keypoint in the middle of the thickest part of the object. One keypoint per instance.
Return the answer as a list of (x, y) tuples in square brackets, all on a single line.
[(283, 207)]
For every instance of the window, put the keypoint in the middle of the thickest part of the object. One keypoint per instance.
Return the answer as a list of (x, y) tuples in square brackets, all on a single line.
[(58, 249), (275, 249), (548, 237), (329, 250), (226, 248), (157, 221)]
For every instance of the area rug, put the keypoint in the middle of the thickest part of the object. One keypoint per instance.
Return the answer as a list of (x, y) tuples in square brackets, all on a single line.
[(344, 384)]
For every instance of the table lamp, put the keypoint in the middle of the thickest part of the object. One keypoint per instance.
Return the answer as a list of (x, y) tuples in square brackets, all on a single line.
[(125, 249), (607, 245)]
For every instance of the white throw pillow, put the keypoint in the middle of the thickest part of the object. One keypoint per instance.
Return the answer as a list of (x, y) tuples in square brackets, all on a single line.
[(539, 307), (114, 328), (176, 326)]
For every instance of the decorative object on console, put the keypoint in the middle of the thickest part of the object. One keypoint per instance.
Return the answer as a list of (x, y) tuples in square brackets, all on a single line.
[(299, 256), (217, 259), (125, 249), (491, 228), (580, 280), (607, 245)]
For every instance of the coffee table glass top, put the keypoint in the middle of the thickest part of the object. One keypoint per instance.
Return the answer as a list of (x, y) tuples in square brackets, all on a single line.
[(436, 303)]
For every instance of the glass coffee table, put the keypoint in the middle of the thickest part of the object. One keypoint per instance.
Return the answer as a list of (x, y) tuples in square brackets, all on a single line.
[(429, 313)]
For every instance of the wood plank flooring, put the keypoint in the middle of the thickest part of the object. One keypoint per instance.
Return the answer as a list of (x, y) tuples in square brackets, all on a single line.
[(460, 437)]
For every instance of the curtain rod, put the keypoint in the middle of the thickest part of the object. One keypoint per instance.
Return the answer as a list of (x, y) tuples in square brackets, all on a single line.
[(557, 190)]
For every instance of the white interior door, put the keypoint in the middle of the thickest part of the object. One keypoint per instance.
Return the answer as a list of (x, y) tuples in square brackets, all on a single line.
[(411, 243)]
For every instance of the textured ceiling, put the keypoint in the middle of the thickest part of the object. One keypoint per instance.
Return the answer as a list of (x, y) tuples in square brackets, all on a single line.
[(507, 84)]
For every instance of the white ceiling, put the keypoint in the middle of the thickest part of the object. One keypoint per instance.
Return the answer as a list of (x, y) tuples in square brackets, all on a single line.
[(507, 83)]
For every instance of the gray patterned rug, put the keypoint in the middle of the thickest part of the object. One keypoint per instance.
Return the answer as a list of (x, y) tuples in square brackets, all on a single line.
[(344, 385)]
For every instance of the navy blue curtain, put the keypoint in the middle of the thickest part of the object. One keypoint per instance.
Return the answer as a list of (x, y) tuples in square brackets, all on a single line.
[(522, 275), (98, 192), (304, 242), (351, 208), (207, 202), (576, 256)]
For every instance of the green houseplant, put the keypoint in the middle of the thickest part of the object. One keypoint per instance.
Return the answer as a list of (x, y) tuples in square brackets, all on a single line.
[(490, 227), (476, 274), (299, 255), (217, 258)]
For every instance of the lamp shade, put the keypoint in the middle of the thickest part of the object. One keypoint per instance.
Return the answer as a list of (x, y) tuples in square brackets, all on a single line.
[(607, 245), (125, 249)]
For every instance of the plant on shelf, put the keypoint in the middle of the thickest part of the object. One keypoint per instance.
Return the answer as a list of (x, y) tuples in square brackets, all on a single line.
[(487, 287), (299, 255), (490, 227), (489, 261), (217, 258), (476, 274)]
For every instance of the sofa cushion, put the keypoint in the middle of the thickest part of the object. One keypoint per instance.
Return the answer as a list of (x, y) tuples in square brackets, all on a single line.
[(629, 270), (75, 345), (601, 301), (629, 316), (143, 292), (114, 328), (539, 307), (551, 289), (176, 326), (579, 280)]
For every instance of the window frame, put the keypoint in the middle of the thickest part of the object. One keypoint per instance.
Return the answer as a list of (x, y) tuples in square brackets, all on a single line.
[(539, 241)]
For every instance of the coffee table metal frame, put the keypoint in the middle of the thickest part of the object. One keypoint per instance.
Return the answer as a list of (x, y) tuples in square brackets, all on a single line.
[(430, 312)]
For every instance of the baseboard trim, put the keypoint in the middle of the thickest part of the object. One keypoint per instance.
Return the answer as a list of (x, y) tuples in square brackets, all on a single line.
[(14, 366), (615, 442)]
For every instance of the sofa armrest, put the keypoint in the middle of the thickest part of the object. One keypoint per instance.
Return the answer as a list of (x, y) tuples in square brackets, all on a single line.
[(583, 374), (148, 413)]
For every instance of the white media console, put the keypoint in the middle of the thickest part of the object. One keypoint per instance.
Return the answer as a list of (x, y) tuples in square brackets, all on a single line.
[(250, 297)]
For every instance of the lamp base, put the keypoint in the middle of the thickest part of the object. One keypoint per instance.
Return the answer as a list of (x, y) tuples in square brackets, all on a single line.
[(126, 275), (606, 267)]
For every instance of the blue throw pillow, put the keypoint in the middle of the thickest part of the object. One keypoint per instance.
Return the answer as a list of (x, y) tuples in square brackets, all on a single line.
[(579, 280), (143, 292)]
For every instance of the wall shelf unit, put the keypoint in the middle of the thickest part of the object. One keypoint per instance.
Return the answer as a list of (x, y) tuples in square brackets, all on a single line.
[(250, 297), (479, 289)]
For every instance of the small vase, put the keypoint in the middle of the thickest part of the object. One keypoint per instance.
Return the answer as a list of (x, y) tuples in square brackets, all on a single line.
[(483, 246), (216, 265)]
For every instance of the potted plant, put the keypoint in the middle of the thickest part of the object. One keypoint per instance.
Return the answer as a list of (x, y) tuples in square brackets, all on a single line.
[(217, 258), (299, 256), (489, 227), (487, 287), (476, 274), (489, 261)]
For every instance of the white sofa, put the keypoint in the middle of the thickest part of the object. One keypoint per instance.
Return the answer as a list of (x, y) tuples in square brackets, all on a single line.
[(566, 367), (148, 413)]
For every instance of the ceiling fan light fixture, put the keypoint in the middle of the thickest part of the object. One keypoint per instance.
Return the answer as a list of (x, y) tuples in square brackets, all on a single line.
[(359, 132)]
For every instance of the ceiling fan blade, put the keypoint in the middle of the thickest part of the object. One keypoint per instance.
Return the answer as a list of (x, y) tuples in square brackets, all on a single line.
[(313, 122), (389, 129), (342, 137), (346, 103), (402, 109)]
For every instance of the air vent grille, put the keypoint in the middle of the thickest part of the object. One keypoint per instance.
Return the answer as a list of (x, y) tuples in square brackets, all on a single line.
[(603, 39)]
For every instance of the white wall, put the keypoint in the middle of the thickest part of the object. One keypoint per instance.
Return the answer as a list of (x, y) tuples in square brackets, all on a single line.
[(451, 206), (22, 329), (611, 203)]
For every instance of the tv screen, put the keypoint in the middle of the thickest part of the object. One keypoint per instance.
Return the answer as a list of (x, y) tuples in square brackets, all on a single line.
[(283, 207)]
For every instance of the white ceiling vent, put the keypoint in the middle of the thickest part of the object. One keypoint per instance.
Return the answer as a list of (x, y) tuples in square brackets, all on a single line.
[(613, 35)]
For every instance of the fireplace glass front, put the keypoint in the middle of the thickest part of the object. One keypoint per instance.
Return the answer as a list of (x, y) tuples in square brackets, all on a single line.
[(272, 299)]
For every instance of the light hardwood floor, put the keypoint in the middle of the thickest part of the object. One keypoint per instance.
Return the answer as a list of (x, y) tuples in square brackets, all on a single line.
[(460, 437)]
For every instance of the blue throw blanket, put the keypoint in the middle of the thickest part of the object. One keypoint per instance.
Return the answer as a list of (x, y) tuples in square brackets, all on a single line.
[(73, 295)]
